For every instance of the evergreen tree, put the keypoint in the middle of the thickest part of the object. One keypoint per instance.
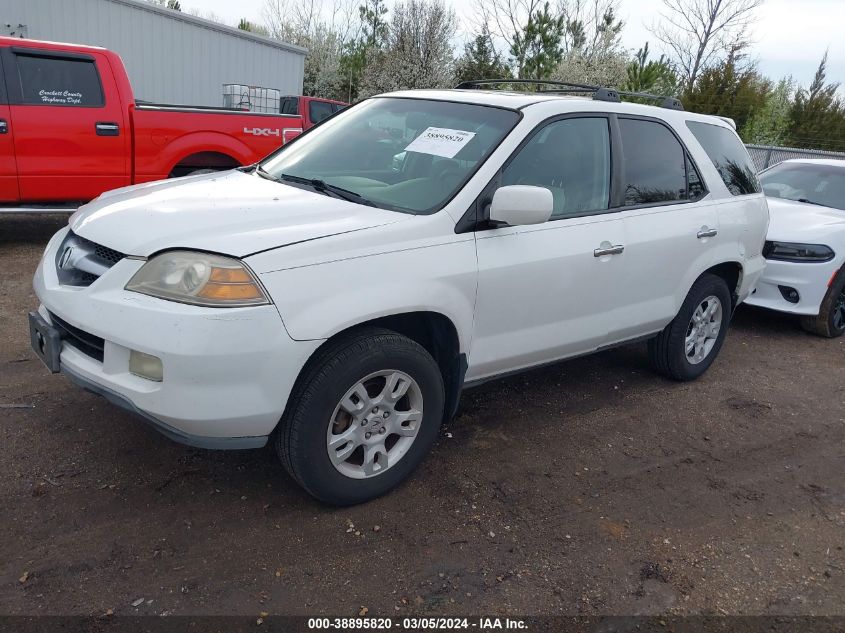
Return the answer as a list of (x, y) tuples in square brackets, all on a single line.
[(538, 48), (731, 89), (817, 117), (480, 61), (646, 75)]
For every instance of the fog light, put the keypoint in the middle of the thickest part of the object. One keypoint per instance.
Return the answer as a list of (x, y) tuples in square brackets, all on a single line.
[(145, 366), (790, 294)]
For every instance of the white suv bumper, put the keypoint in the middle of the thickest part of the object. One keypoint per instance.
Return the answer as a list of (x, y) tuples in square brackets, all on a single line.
[(227, 372), (809, 280)]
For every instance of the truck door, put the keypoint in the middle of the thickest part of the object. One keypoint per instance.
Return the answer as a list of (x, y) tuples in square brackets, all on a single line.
[(70, 133), (8, 167)]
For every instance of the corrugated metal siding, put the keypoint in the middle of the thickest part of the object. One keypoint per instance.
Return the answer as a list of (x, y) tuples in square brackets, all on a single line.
[(174, 59)]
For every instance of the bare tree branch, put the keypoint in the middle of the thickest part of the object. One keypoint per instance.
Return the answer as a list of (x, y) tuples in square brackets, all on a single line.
[(698, 32)]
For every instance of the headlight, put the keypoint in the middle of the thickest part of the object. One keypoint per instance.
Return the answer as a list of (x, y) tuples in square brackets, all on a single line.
[(199, 279), (791, 252)]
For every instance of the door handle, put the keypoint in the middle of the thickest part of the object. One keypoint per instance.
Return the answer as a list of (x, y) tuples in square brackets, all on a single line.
[(705, 232), (4, 127), (107, 129), (610, 250)]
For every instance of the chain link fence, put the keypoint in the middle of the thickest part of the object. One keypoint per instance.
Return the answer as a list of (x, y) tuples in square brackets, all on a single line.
[(767, 155)]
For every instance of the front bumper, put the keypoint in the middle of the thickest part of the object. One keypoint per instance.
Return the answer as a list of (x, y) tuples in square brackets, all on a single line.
[(808, 279), (227, 372)]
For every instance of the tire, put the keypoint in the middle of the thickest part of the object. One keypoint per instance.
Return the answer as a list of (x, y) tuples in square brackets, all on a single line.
[(830, 321), (316, 415), (200, 172), (668, 351)]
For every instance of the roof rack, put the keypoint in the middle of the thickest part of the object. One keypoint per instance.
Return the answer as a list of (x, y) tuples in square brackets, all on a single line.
[(599, 93)]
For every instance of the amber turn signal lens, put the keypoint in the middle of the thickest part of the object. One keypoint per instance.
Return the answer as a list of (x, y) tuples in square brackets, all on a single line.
[(229, 276), (230, 292)]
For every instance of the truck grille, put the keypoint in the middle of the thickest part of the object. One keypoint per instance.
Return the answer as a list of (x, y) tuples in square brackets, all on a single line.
[(86, 343), (80, 262)]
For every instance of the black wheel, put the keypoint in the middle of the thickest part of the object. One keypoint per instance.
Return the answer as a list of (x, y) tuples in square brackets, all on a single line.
[(830, 321), (362, 416), (690, 343), (199, 172)]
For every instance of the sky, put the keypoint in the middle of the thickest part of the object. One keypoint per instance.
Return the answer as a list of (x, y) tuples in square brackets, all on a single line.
[(789, 38)]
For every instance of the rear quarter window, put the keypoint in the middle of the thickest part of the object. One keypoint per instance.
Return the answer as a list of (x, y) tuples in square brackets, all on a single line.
[(729, 156), (59, 81)]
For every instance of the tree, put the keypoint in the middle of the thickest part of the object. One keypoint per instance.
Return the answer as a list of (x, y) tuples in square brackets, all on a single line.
[(770, 124), (538, 49), (592, 28), (246, 25), (373, 23), (817, 116), (167, 4), (644, 75), (698, 33), (732, 89), (418, 50), (325, 33), (480, 61)]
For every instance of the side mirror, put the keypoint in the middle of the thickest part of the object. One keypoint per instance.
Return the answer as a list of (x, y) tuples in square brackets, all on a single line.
[(517, 205)]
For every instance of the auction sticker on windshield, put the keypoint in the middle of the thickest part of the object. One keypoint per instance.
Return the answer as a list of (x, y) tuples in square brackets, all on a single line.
[(440, 141)]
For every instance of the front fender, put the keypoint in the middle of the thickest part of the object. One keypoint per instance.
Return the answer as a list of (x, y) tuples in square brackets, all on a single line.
[(316, 302)]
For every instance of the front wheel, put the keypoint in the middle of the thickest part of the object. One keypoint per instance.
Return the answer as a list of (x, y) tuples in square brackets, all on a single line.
[(830, 321), (364, 414), (687, 347)]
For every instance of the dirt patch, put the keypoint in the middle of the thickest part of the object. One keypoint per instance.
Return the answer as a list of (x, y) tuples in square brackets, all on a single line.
[(591, 487)]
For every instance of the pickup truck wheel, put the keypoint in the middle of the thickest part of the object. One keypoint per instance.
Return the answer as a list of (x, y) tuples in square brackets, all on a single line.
[(363, 415), (690, 343), (199, 172), (830, 321)]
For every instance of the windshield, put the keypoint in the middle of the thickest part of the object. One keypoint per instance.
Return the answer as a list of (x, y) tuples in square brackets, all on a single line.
[(806, 182), (409, 155)]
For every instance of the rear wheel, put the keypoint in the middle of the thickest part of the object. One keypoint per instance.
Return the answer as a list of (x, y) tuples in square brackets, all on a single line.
[(687, 347), (830, 321), (363, 415)]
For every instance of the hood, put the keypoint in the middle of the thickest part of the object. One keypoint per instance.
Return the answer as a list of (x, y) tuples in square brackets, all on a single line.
[(232, 213), (791, 221)]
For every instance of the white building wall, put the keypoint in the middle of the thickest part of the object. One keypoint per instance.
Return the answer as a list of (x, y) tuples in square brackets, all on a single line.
[(171, 57)]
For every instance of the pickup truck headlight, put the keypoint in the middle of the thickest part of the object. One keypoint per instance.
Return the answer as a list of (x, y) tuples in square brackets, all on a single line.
[(200, 279), (792, 252)]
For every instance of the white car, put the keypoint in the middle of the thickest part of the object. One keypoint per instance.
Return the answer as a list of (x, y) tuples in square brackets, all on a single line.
[(337, 297), (805, 247)]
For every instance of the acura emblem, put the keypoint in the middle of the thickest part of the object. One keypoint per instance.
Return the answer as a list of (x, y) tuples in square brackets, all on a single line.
[(65, 257)]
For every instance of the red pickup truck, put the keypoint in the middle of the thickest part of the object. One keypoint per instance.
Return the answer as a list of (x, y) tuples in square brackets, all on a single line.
[(70, 128)]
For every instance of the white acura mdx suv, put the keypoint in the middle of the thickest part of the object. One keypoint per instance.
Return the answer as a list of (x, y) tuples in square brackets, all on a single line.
[(335, 298)]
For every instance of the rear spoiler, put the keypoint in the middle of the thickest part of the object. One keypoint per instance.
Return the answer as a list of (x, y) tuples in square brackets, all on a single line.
[(727, 120)]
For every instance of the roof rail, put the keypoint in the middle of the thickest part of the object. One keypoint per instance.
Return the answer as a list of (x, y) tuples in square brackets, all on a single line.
[(599, 93)]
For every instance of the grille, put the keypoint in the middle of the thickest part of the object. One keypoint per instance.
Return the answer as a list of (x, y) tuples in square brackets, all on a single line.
[(80, 262), (107, 254), (86, 343)]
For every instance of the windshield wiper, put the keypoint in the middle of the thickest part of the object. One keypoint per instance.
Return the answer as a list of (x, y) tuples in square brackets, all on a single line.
[(808, 201), (323, 187)]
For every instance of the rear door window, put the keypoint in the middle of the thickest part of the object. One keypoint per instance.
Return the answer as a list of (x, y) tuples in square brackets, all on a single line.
[(319, 110), (655, 163), (729, 156), (58, 81)]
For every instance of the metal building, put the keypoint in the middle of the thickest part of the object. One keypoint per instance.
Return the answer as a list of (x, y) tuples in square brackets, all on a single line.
[(170, 56)]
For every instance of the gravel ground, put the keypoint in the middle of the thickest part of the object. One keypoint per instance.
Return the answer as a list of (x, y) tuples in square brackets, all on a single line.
[(591, 487)]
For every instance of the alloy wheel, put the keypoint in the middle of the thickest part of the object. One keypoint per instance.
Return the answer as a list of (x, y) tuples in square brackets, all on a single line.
[(374, 424)]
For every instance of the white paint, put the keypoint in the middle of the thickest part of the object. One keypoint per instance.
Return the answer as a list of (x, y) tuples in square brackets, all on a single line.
[(518, 296)]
